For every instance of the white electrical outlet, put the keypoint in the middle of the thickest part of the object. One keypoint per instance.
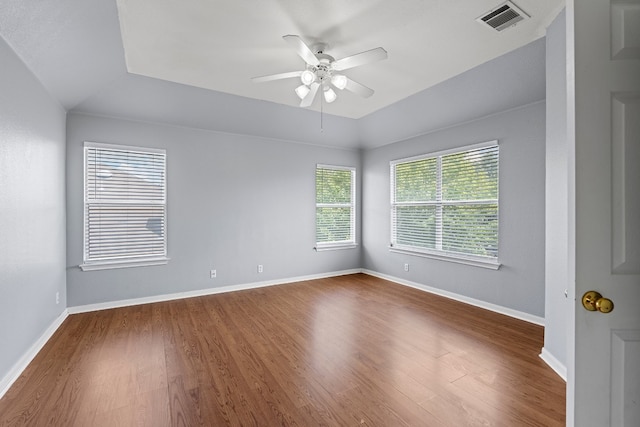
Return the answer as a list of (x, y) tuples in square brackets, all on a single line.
[(57, 297), (213, 274), (260, 268), (406, 267)]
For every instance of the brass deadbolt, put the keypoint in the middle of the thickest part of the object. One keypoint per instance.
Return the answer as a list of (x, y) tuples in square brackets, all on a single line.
[(593, 301)]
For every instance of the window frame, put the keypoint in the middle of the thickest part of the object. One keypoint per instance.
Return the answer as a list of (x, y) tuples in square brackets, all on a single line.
[(440, 254), (90, 264), (343, 244)]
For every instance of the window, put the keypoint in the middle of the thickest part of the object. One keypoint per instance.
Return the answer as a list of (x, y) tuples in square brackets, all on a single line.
[(124, 206), (335, 207), (445, 205)]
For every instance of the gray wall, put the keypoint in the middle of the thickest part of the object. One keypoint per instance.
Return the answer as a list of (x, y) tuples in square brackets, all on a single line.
[(32, 209), (519, 284), (509, 81), (146, 99), (233, 202), (557, 181)]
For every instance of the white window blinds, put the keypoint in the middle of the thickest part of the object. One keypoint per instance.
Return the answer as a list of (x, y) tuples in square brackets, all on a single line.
[(125, 205), (335, 206), (447, 202)]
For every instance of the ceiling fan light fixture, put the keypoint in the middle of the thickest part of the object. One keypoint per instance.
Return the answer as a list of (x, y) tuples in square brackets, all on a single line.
[(339, 81), (307, 77), (329, 95), (302, 91), (322, 71)]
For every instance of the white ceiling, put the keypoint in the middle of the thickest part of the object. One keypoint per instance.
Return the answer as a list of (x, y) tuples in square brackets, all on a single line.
[(221, 44)]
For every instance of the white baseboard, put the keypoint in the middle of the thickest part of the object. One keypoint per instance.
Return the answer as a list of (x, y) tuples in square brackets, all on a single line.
[(24, 361), (554, 364), (211, 291), (203, 292), (467, 300)]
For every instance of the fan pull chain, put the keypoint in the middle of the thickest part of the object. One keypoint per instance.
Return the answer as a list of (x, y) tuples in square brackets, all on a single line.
[(321, 104)]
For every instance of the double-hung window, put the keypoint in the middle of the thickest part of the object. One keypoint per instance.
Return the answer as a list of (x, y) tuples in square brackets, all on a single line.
[(335, 207), (125, 206), (445, 205)]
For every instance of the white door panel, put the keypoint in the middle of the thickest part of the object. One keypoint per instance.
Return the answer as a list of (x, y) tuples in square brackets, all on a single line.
[(603, 71)]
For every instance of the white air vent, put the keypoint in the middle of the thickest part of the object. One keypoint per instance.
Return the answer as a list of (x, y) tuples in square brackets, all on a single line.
[(503, 16)]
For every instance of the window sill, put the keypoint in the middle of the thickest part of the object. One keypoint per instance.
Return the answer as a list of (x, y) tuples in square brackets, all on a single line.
[(444, 256), (123, 264), (335, 247)]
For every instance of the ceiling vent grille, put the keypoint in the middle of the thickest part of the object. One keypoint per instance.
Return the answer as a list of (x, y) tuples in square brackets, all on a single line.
[(503, 16)]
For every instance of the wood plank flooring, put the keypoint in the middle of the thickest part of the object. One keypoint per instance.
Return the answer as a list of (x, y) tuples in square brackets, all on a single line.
[(347, 351)]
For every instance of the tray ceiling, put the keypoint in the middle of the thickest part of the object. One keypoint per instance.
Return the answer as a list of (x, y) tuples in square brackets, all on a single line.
[(221, 44)]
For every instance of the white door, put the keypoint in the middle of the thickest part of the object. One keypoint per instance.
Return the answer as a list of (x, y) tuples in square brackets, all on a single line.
[(603, 71)]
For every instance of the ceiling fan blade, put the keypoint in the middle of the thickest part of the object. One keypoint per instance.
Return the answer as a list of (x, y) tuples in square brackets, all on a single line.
[(358, 88), (302, 49), (308, 100), (358, 59), (278, 76)]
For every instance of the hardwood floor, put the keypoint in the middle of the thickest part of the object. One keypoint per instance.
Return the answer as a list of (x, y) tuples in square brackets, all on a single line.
[(347, 351)]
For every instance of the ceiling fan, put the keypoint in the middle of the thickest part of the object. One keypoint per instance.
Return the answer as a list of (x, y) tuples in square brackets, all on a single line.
[(323, 71)]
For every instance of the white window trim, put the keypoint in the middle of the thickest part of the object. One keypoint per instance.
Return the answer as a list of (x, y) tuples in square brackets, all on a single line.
[(439, 254), (447, 256), (334, 246), (109, 265), (351, 244), (125, 262)]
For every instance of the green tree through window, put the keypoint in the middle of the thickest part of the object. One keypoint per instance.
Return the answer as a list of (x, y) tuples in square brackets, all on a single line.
[(447, 202), (335, 206)]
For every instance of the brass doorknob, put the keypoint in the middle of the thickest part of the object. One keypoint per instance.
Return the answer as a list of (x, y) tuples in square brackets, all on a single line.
[(593, 301)]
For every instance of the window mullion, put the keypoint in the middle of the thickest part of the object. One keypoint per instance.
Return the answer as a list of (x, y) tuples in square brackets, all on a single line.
[(334, 205), (468, 202), (439, 203)]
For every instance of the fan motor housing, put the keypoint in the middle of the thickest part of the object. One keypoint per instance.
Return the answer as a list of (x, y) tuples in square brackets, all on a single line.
[(323, 70)]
